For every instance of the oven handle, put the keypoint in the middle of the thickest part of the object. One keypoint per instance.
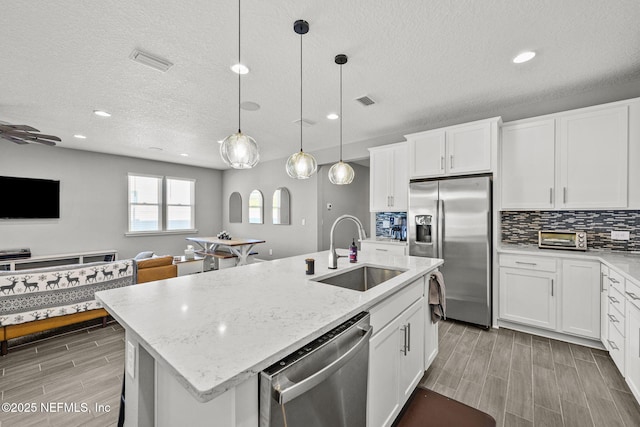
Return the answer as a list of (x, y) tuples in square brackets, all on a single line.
[(291, 392)]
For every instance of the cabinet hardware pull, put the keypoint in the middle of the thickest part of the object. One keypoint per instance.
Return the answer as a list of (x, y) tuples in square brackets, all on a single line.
[(382, 250), (551, 287), (392, 201), (408, 336), (613, 318), (612, 280), (633, 296), (451, 161), (404, 347), (601, 282), (614, 300), (526, 263), (442, 163), (550, 195), (564, 194), (613, 345)]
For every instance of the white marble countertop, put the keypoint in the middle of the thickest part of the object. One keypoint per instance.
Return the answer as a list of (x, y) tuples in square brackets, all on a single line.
[(386, 241), (214, 330), (628, 264)]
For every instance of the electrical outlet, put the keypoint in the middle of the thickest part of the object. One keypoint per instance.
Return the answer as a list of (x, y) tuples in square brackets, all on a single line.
[(131, 359), (304, 221), (619, 235), (270, 251)]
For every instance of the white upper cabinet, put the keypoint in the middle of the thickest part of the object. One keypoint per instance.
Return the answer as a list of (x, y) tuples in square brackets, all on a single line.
[(389, 182), (528, 165), (456, 150), (580, 159), (593, 159)]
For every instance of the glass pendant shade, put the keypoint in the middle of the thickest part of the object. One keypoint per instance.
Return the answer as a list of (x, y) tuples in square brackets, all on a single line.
[(341, 173), (301, 165), (240, 151)]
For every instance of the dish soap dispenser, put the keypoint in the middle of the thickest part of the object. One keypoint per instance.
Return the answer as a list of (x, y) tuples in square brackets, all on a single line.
[(353, 251)]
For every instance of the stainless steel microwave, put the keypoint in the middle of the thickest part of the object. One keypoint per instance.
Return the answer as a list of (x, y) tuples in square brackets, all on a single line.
[(575, 240)]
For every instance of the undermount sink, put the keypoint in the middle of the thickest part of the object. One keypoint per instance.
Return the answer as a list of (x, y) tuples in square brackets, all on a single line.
[(362, 278)]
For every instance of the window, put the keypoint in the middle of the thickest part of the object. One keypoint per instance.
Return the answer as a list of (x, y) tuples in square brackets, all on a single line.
[(159, 203), (255, 207)]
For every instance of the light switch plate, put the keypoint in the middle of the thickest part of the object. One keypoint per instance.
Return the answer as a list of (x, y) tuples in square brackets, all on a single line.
[(619, 235), (131, 359)]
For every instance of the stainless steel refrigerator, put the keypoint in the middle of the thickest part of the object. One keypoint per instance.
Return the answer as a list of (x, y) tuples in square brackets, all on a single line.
[(451, 219)]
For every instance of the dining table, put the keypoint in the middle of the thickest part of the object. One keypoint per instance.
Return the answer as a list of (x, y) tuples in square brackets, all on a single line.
[(239, 247)]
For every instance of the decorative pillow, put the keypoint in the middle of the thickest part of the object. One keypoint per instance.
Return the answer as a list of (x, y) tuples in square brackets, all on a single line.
[(144, 255), (155, 262)]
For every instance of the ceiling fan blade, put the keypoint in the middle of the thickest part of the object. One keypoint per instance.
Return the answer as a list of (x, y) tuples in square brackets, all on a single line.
[(23, 127), (45, 142), (50, 137), (34, 138), (12, 139)]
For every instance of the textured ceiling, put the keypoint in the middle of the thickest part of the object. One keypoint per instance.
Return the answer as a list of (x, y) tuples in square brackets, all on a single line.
[(425, 63)]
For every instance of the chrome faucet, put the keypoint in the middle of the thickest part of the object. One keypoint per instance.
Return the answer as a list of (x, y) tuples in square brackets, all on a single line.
[(333, 256)]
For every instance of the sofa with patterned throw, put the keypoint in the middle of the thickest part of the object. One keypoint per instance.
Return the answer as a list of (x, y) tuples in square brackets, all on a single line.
[(45, 298)]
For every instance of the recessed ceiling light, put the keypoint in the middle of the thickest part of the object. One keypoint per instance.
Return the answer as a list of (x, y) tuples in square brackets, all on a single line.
[(332, 116), (184, 155), (101, 113), (240, 69), (79, 136), (524, 57)]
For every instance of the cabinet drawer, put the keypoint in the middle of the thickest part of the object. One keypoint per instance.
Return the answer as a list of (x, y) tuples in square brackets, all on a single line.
[(632, 293), (390, 308), (617, 301), (529, 263), (616, 280), (383, 249), (615, 345), (616, 319)]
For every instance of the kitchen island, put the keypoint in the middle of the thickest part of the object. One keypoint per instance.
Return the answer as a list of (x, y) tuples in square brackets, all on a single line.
[(195, 344)]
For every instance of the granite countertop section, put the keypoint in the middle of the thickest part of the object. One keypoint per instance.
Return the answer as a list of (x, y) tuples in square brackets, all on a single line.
[(628, 264), (386, 240), (214, 330)]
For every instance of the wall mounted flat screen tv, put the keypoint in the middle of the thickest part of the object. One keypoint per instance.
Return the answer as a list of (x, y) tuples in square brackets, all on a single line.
[(29, 198)]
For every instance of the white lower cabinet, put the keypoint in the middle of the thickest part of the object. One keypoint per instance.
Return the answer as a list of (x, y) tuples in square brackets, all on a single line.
[(396, 357), (581, 298), (528, 296), (633, 349)]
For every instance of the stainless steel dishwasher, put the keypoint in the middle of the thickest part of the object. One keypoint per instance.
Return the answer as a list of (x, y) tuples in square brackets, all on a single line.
[(323, 384)]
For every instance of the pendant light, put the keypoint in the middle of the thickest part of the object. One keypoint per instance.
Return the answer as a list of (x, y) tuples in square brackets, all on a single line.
[(301, 165), (238, 150), (341, 173)]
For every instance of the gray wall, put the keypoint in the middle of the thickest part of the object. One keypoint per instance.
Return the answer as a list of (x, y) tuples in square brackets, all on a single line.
[(93, 201), (345, 199), (283, 240)]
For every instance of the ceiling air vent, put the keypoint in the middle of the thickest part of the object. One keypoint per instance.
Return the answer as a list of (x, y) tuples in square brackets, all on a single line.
[(149, 60), (305, 123), (365, 100)]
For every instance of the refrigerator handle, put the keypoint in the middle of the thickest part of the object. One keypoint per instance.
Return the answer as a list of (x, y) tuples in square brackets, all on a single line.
[(440, 249)]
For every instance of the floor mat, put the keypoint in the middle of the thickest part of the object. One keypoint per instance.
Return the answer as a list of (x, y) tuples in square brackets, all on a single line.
[(427, 408)]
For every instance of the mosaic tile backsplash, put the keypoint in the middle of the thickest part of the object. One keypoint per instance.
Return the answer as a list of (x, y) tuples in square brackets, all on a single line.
[(386, 220), (523, 227)]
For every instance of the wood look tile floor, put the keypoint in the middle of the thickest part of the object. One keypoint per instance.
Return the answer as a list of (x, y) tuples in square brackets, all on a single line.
[(82, 366), (526, 380)]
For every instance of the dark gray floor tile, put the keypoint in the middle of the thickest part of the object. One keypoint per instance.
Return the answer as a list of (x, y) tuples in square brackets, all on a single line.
[(469, 393), (501, 357), (520, 395), (569, 385), (430, 377), (581, 352), (521, 359), (494, 397), (443, 328), (604, 412), (487, 340), (445, 349), (506, 332), (542, 355), (561, 353), (545, 388), (591, 380), (575, 415), (467, 341), (511, 420), (611, 374), (627, 407), (453, 370), (444, 390), (598, 352), (522, 338), (544, 417), (477, 367), (456, 329)]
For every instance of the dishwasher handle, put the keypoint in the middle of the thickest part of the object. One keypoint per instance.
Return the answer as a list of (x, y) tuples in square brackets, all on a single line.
[(295, 390)]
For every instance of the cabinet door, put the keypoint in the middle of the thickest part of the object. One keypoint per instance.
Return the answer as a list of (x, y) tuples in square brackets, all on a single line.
[(633, 349), (384, 364), (399, 180), (528, 297), (527, 160), (379, 180), (426, 154), (593, 159), (469, 149), (604, 293), (412, 361), (581, 298)]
